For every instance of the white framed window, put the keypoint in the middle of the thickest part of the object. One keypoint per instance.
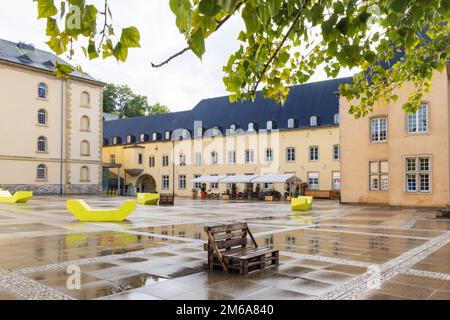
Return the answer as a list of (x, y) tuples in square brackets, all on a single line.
[(151, 161), (269, 125), (198, 158), (269, 155), (154, 136), (165, 182), (116, 140), (251, 127), (379, 176), (42, 144), (182, 182), (249, 156), (378, 129), (418, 122), (230, 185), (197, 185), (167, 135), (233, 128), (291, 123), (231, 157), (314, 153), (290, 155), (165, 160), (214, 157), (182, 158), (42, 117), (314, 121), (112, 159), (336, 152), (313, 180), (142, 137), (42, 91), (336, 180), (336, 119), (41, 172), (268, 186), (418, 174), (214, 185)]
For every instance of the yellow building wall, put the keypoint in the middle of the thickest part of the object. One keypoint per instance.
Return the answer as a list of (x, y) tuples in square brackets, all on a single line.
[(279, 141), (19, 131), (357, 150)]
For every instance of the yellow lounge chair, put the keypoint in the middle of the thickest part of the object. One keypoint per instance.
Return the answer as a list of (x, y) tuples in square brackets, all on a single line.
[(302, 203), (84, 213), (18, 197), (148, 199)]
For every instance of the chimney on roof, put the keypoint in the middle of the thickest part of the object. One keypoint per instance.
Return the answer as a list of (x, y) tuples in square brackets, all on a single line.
[(25, 46)]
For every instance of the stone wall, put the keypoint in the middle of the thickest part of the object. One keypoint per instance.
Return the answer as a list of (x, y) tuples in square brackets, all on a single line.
[(52, 188)]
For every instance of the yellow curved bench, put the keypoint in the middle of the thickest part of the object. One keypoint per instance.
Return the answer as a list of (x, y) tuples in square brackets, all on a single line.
[(84, 213), (18, 197), (302, 203), (148, 199)]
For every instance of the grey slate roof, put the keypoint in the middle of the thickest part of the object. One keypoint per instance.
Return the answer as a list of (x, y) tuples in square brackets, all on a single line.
[(304, 101), (29, 56)]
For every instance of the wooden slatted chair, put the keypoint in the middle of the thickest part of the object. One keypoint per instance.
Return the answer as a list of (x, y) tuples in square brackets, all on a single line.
[(228, 248)]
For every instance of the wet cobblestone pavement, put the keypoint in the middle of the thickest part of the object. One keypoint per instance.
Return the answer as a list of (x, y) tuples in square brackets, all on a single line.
[(334, 252)]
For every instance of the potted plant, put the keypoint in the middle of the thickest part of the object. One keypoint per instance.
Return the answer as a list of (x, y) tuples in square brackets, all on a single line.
[(194, 193), (226, 195), (203, 191)]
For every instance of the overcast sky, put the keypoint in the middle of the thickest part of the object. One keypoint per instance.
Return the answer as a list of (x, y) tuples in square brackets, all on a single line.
[(180, 85)]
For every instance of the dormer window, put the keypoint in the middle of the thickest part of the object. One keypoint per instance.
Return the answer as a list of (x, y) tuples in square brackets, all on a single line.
[(336, 118), (143, 137), (251, 127), (314, 122), (167, 135), (115, 140), (131, 139), (269, 125), (215, 131), (291, 123), (155, 136), (233, 128)]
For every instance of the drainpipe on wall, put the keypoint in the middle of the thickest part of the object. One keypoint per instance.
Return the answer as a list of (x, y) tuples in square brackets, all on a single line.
[(61, 163)]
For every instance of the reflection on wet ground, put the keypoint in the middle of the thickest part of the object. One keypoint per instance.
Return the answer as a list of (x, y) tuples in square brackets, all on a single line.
[(158, 253)]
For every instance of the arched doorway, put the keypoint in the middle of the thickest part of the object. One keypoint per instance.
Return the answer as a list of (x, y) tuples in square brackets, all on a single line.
[(146, 184)]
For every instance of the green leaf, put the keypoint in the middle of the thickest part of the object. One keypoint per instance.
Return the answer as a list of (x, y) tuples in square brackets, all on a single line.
[(197, 43), (250, 18), (130, 37), (46, 9), (209, 7), (399, 5), (52, 28), (92, 50), (120, 52)]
